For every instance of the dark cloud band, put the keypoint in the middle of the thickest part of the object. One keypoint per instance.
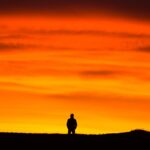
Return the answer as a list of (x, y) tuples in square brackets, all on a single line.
[(11, 46), (133, 8), (144, 49)]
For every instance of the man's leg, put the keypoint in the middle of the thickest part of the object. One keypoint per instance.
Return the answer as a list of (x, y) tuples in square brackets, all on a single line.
[(69, 131), (73, 131)]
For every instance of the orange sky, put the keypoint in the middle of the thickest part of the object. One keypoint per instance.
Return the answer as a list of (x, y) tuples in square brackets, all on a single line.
[(97, 68)]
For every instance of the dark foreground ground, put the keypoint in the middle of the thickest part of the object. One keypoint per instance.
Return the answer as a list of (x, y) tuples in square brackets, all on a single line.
[(137, 139)]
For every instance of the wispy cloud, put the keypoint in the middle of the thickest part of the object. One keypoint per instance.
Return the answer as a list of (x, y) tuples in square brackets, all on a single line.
[(98, 73), (12, 46), (144, 49), (48, 32)]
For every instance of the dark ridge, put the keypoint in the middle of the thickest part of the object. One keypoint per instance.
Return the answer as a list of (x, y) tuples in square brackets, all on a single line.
[(136, 139)]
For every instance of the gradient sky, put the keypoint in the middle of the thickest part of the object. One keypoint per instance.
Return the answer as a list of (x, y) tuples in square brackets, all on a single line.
[(90, 58)]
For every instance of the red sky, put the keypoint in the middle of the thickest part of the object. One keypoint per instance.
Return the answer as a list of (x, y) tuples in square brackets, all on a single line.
[(95, 67)]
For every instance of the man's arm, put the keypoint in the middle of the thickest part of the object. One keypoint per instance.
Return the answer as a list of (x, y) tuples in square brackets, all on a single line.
[(68, 123), (76, 123)]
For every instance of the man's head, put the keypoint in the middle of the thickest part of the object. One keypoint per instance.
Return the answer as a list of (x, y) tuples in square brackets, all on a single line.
[(72, 116)]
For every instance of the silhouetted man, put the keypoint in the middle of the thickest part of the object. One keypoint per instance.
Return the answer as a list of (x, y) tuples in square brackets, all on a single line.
[(71, 124)]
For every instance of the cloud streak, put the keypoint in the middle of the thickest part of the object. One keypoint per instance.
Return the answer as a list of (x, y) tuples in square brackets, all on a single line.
[(48, 32), (144, 49), (12, 46), (98, 73)]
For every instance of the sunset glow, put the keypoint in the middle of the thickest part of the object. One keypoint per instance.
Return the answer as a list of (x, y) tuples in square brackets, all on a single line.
[(95, 67)]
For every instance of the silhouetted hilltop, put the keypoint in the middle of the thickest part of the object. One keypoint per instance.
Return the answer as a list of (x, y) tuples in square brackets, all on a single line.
[(136, 139)]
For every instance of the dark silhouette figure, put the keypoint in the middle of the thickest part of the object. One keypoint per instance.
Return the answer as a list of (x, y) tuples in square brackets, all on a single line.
[(71, 124)]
